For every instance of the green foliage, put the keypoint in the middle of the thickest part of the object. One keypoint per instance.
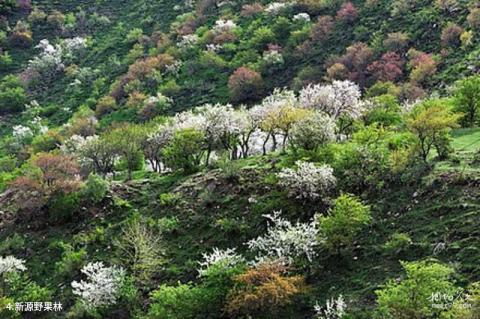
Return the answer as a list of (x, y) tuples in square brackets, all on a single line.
[(63, 207), (186, 150), (467, 100), (431, 121), (12, 244), (94, 190), (143, 248), (386, 111), (180, 302), (398, 242), (71, 260), (12, 95), (169, 199), (412, 296), (344, 221)]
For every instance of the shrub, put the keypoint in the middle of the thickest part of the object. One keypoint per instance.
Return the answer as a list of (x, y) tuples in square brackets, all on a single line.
[(58, 172), (285, 241), (245, 85), (94, 190), (396, 41), (5, 60), (382, 88), (105, 105), (388, 68), (473, 18), (185, 151), (12, 95), (467, 306), (307, 182), (71, 261), (21, 39), (179, 302), (344, 221), (143, 249), (430, 122), (322, 29), (56, 19), (263, 291), (313, 131), (411, 297), (46, 142), (347, 12), (451, 35), (250, 10), (422, 64), (467, 100), (333, 309), (398, 242), (62, 207), (356, 59)]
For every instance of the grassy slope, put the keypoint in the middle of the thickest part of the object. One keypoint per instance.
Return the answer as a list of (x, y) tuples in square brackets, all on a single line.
[(216, 212)]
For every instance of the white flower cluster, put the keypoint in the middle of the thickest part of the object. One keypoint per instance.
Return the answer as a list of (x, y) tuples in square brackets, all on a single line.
[(102, 285), (188, 41), (273, 57), (313, 131), (303, 16), (284, 241), (11, 264), (222, 26), (20, 132), (307, 181), (174, 68), (222, 258), (23, 132), (334, 309), (212, 47), (259, 129), (336, 99), (275, 8), (52, 59)]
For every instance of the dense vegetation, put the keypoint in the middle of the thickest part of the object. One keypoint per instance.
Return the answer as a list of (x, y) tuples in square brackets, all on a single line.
[(240, 159)]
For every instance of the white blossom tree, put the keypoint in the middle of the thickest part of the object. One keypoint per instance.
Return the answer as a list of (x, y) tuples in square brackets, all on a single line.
[(285, 241), (10, 264), (313, 131), (219, 258), (101, 287), (307, 181)]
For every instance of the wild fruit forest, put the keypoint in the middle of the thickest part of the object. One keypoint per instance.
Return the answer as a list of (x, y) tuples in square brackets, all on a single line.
[(250, 159)]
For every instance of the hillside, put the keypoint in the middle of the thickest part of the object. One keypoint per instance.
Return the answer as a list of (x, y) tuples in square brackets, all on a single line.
[(240, 159)]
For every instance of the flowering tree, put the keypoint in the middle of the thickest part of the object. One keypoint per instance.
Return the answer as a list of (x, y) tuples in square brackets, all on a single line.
[(11, 264), (101, 287), (285, 241), (245, 84), (307, 182), (347, 13), (313, 131), (341, 98), (422, 65), (155, 143), (333, 309), (388, 68), (219, 258), (58, 172), (53, 58)]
